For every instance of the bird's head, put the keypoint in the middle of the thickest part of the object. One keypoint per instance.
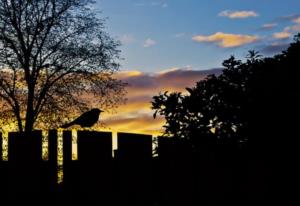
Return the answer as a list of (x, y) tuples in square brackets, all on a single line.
[(97, 110)]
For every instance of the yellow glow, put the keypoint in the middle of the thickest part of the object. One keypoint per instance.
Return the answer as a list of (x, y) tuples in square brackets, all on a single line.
[(4, 146), (74, 145), (168, 70), (126, 74), (5, 128), (60, 155), (45, 154)]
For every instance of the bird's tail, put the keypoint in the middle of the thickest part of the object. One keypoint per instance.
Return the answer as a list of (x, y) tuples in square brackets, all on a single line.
[(67, 125)]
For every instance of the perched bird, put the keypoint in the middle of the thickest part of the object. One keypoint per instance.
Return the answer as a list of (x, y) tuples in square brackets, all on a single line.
[(87, 119)]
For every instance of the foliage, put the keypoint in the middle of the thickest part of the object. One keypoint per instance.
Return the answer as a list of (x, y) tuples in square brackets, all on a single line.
[(247, 98)]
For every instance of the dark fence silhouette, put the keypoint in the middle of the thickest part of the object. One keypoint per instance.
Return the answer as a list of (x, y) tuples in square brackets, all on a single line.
[(215, 175)]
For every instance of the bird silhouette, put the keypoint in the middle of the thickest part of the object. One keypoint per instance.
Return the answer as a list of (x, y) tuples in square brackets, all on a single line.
[(87, 119)]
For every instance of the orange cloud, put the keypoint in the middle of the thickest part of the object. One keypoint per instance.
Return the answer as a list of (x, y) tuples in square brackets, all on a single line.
[(282, 35), (238, 14), (136, 115), (227, 40), (175, 79)]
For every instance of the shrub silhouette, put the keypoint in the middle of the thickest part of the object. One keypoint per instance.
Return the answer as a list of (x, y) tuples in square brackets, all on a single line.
[(247, 99)]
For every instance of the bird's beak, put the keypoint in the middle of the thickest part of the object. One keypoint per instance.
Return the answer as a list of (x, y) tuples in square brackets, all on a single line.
[(101, 110)]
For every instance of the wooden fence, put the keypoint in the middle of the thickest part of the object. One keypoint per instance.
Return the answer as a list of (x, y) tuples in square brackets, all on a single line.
[(216, 175), (94, 172)]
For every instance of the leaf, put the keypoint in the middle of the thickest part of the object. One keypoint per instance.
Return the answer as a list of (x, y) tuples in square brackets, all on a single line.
[(189, 90), (154, 115)]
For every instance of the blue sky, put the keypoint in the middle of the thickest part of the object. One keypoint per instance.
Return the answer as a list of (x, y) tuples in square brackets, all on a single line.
[(158, 34)]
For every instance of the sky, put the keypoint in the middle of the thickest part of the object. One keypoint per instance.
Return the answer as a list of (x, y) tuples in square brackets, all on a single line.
[(168, 45), (162, 34)]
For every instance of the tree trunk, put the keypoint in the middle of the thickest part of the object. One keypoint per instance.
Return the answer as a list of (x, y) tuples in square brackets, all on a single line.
[(20, 126), (28, 124), (29, 120)]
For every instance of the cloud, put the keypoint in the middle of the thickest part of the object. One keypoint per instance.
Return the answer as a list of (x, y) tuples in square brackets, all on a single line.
[(137, 116), (293, 28), (149, 42), (160, 4), (152, 4), (282, 35), (297, 20), (227, 40), (288, 30), (268, 26), (127, 39), (290, 17), (179, 35), (176, 79), (238, 14)]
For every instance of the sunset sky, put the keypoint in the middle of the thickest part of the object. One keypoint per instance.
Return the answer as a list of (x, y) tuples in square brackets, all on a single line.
[(171, 44)]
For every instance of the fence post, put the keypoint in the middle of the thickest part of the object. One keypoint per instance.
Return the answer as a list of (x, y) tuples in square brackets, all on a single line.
[(52, 159), (25, 166), (52, 147), (134, 146), (94, 146), (175, 171), (95, 167), (67, 147), (25, 146), (67, 158), (135, 169), (3, 174)]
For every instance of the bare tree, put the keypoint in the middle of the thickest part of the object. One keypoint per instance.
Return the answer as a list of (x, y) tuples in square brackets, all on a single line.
[(55, 60)]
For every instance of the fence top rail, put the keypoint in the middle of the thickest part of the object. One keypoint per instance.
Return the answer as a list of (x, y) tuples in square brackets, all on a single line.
[(73, 130)]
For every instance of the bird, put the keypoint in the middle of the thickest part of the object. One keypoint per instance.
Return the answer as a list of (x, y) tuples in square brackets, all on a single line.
[(87, 119)]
